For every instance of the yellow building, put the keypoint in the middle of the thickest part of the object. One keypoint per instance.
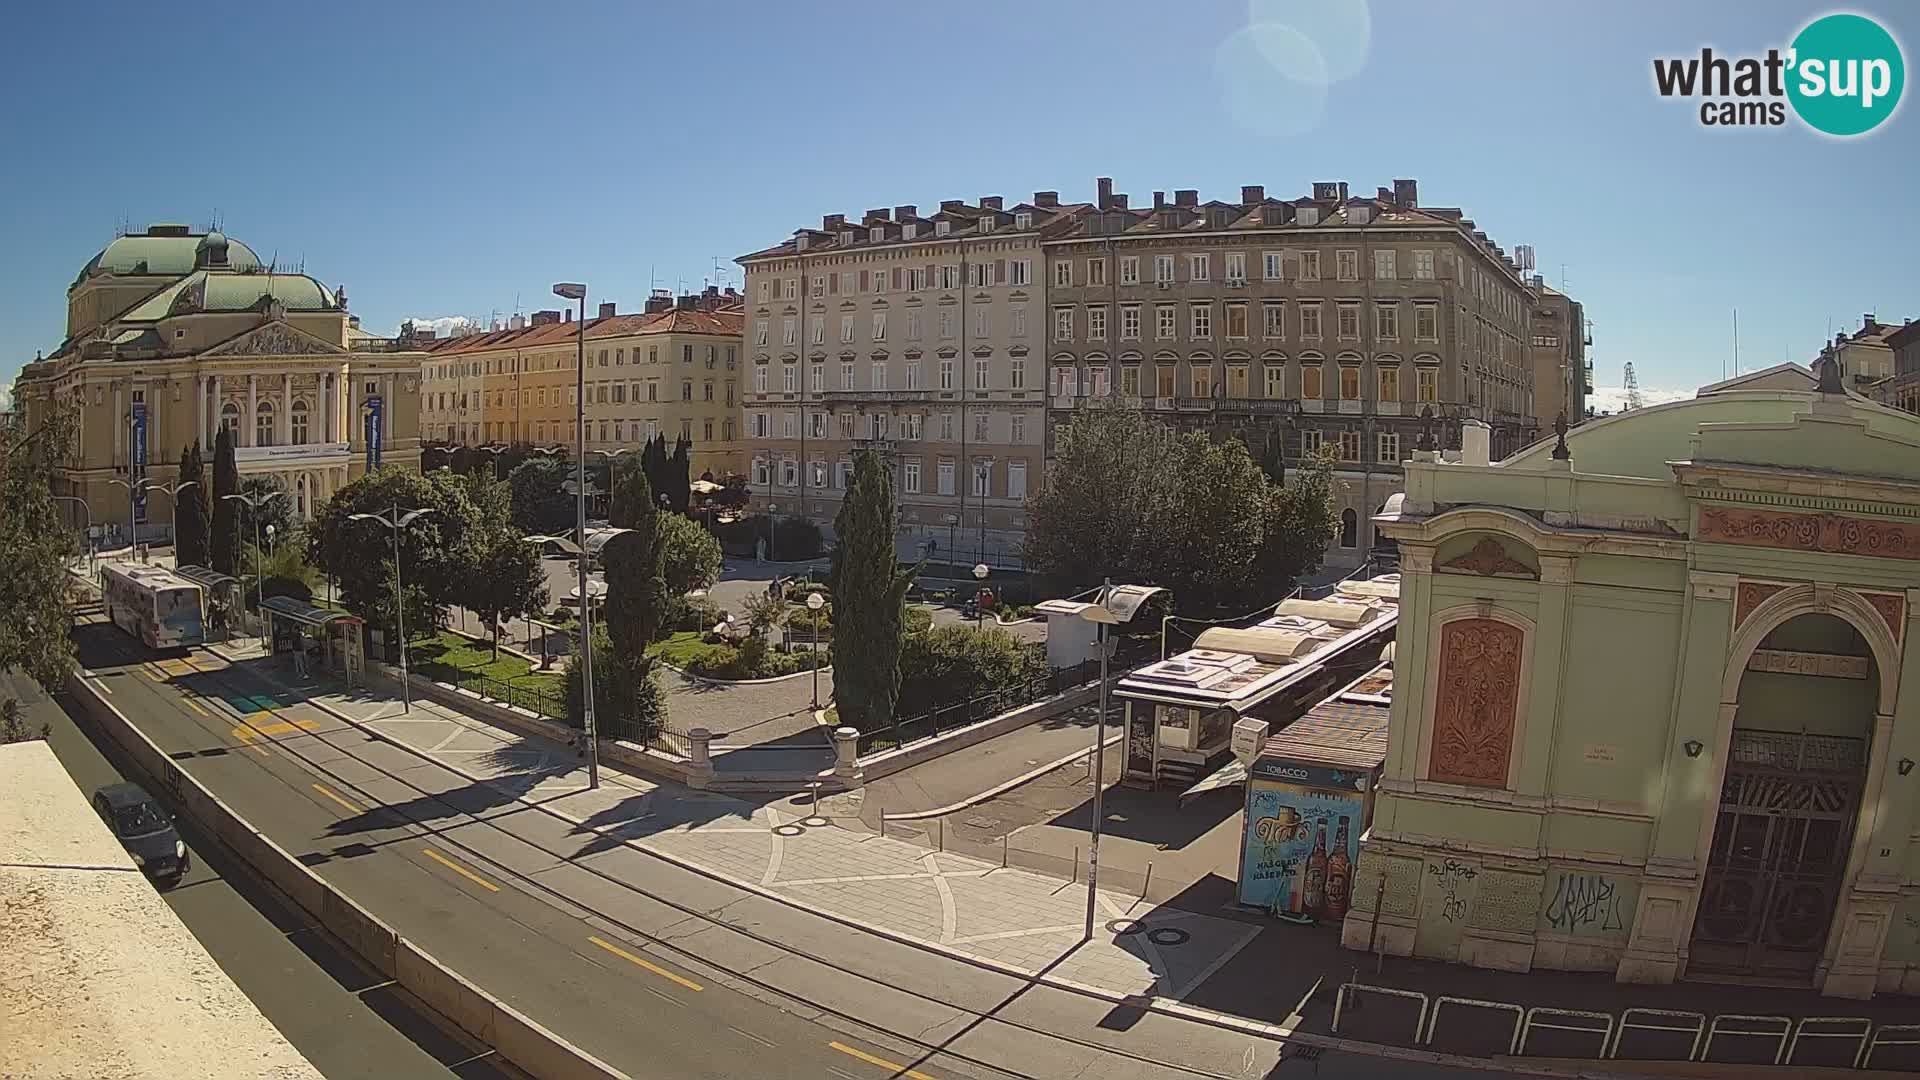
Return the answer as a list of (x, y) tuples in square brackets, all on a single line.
[(173, 334), (671, 370)]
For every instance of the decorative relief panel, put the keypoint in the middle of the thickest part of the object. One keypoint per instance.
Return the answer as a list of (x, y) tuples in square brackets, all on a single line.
[(1489, 559), (1478, 698), (1752, 594), (1400, 898), (1833, 533), (1507, 901), (1892, 608)]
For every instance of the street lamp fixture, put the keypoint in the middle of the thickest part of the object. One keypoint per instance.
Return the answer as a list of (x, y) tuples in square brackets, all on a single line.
[(980, 573), (396, 524), (577, 291), (815, 602), (253, 504)]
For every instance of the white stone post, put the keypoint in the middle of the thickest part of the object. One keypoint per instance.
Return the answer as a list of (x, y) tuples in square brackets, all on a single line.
[(699, 757), (846, 754)]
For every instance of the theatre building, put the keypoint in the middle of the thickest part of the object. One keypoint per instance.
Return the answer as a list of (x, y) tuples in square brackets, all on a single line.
[(1658, 714)]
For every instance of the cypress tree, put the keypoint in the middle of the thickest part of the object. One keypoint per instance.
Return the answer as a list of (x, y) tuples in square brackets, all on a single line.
[(636, 594), (869, 599), (190, 518), (223, 545), (680, 476)]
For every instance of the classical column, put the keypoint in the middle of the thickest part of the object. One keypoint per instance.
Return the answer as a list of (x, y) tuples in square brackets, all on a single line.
[(253, 409), (119, 426), (214, 405), (200, 409), (286, 408), (1547, 660), (386, 409)]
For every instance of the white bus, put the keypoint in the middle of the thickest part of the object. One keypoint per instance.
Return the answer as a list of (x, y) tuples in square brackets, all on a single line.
[(155, 605)]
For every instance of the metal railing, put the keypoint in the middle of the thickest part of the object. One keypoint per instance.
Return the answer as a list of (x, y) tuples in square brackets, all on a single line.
[(945, 718), (551, 706)]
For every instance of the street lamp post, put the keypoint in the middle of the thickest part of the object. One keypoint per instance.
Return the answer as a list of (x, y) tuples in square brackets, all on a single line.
[(815, 602), (397, 524), (173, 491), (980, 573), (568, 290), (613, 459), (86, 538), (134, 488), (253, 504), (269, 541)]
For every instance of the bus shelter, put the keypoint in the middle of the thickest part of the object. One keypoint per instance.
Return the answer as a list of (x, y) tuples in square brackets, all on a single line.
[(223, 598), (329, 639)]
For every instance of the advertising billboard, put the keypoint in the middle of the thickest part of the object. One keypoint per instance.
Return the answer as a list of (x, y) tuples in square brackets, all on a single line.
[(1301, 841)]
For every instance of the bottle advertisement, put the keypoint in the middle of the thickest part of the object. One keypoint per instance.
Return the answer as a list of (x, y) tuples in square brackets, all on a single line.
[(1301, 844)]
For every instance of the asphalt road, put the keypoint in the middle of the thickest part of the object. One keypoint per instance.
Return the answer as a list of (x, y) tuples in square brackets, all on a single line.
[(321, 998), (659, 971)]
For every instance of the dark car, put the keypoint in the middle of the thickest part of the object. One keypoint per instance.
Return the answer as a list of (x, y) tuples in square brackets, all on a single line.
[(144, 829)]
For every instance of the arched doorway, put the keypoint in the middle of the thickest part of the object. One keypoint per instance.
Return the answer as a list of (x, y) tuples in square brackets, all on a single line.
[(1790, 802)]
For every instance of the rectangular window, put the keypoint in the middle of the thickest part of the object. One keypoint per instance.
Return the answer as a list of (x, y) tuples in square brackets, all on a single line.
[(982, 321), (1199, 267), (1276, 381), (879, 326), (789, 378), (946, 324), (1166, 322), (787, 425), (817, 425), (1426, 322), (1096, 271), (1163, 380), (1349, 445), (980, 274), (1017, 325), (950, 276), (1017, 374), (686, 354), (1386, 322), (944, 473), (846, 376), (1202, 321), (879, 375), (818, 285), (1346, 264), (789, 332), (1063, 324), (764, 291), (1017, 428), (1236, 267), (846, 328), (1130, 380), (1163, 269), (911, 426), (1237, 381), (913, 374), (1427, 384), (1064, 382), (1423, 265), (789, 473), (1096, 324), (913, 326), (1019, 271), (819, 335), (846, 425), (760, 330), (946, 429), (1310, 373), (686, 390), (1098, 375), (982, 372), (1349, 382), (1384, 268), (1310, 442), (760, 473), (816, 379), (1389, 450), (1349, 322), (982, 478), (946, 374), (1130, 322), (1130, 270), (1017, 480), (910, 477), (916, 279), (1063, 273), (1310, 266), (1237, 321), (1273, 324), (980, 426), (1201, 381), (1390, 382), (1270, 267)]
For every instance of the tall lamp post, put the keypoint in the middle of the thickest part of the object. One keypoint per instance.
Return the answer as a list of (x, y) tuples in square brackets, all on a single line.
[(396, 525), (815, 602), (134, 488), (569, 290), (253, 504), (980, 573), (173, 491), (613, 458), (86, 538)]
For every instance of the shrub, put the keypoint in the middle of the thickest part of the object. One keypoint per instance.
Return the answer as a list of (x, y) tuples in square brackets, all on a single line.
[(692, 613), (954, 663), (918, 621), (793, 537), (627, 702)]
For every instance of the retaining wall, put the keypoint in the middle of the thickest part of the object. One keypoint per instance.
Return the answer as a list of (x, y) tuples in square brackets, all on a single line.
[(888, 762), (514, 1036)]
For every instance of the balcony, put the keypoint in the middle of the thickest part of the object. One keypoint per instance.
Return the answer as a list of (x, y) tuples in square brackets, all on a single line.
[(1064, 401), (904, 397)]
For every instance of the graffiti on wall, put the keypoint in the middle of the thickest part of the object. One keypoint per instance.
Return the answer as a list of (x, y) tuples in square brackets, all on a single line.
[(1453, 877), (1587, 903)]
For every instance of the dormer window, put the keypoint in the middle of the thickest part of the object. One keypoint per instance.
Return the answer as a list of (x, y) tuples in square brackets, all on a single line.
[(800, 242), (942, 228), (907, 230), (846, 237), (1023, 220), (987, 223), (1360, 214), (1309, 215)]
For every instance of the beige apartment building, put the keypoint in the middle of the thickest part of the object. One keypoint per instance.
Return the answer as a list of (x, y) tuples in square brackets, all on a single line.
[(673, 370), (173, 334), (1328, 321), (1558, 340), (919, 336)]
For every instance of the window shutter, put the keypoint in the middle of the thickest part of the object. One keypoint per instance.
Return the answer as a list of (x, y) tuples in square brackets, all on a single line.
[(864, 282), (999, 270), (932, 281), (896, 279), (833, 284)]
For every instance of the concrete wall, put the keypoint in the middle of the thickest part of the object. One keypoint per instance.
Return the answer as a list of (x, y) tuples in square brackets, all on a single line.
[(520, 1040), (892, 761)]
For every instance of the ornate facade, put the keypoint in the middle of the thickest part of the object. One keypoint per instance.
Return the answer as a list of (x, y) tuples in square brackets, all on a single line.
[(1660, 717), (173, 335)]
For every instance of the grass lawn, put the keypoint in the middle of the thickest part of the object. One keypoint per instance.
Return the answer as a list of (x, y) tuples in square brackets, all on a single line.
[(679, 648), (447, 656)]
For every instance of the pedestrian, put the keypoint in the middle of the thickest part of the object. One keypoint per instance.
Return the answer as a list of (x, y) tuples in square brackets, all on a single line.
[(300, 657)]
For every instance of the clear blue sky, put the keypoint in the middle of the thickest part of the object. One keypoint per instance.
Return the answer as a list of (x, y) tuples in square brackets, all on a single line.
[(444, 159)]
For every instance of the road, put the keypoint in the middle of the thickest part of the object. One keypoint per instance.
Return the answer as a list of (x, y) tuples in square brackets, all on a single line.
[(656, 969), (333, 1010)]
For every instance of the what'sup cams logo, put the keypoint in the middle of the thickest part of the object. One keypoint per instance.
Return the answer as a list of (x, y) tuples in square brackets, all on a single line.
[(1842, 76)]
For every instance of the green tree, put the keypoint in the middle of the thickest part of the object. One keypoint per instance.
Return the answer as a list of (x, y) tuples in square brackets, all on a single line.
[(276, 511), (765, 613), (1210, 524), (192, 517), (636, 604), (958, 663), (679, 476), (435, 550), (627, 701), (1099, 512), (689, 555), (541, 505), (869, 594), (504, 579), (35, 585), (13, 725), (223, 546), (1302, 518), (653, 462)]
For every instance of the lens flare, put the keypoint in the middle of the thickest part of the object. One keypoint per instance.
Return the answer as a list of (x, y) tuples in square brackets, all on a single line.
[(1340, 30), (1272, 79)]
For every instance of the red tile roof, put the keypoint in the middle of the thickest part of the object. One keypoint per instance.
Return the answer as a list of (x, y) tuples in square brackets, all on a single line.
[(724, 323)]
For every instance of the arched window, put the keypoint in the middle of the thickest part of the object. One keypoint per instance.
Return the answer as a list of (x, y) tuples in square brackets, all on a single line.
[(1349, 528), (299, 423), (263, 425), (230, 418)]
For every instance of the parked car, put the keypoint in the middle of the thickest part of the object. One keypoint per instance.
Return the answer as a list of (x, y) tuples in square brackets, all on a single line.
[(144, 828)]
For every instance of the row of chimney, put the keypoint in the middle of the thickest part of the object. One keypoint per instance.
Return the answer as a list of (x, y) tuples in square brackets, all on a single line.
[(712, 298), (1404, 193)]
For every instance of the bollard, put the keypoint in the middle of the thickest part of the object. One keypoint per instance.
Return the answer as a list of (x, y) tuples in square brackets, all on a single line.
[(1076, 865), (1148, 884), (943, 833), (1003, 852)]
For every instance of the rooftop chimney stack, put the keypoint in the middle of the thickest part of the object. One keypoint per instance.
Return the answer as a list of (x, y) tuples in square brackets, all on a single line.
[(607, 309), (991, 202), (1186, 197), (566, 315), (1159, 200), (832, 222), (1252, 193), (1047, 199), (1406, 194), (906, 213), (1105, 186), (1866, 322), (872, 216), (1119, 202), (950, 205)]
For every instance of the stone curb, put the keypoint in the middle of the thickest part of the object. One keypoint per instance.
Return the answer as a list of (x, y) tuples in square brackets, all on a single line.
[(979, 797), (685, 674)]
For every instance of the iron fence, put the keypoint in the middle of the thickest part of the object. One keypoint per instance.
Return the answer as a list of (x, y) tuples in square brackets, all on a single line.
[(551, 706), (944, 718)]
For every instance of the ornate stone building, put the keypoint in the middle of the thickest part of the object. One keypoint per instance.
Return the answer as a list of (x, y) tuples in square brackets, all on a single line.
[(173, 334), (1658, 713)]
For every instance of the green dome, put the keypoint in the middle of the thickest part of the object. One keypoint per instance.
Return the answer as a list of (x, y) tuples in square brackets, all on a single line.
[(165, 251)]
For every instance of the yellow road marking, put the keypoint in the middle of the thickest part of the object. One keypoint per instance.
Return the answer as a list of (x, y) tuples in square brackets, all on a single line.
[(247, 733), (195, 706), (895, 1067), (643, 962), (352, 807), (461, 870)]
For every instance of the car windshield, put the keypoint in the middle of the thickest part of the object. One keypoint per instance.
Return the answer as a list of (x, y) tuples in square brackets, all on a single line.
[(139, 820)]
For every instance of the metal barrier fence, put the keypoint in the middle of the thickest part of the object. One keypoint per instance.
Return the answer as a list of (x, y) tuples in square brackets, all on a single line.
[(551, 706), (1775, 1040), (984, 707)]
